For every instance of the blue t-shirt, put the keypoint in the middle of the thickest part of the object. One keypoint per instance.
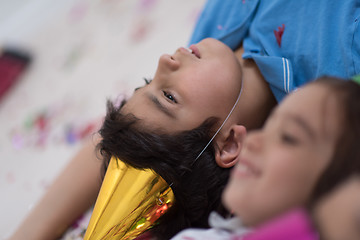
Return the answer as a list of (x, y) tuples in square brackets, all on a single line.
[(291, 41)]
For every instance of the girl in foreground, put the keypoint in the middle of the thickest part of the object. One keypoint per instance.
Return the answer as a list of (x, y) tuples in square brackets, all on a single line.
[(307, 147)]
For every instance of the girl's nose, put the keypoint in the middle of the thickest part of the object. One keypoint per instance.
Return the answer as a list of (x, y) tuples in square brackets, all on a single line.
[(253, 141)]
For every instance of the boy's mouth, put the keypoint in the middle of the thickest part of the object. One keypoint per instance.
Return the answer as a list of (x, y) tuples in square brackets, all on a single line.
[(195, 51), (192, 50)]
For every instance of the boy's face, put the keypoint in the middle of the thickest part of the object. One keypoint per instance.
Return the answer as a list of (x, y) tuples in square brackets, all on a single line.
[(280, 164), (188, 87)]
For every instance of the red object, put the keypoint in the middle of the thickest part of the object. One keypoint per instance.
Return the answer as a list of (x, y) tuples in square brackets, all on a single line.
[(12, 65), (145, 236), (278, 34)]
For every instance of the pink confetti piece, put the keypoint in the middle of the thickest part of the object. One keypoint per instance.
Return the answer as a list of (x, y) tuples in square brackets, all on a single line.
[(221, 27), (44, 184), (77, 222), (78, 12), (87, 130), (17, 141), (140, 31), (42, 138), (146, 5), (10, 178)]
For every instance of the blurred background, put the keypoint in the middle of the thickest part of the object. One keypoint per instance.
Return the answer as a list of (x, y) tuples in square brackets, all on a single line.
[(59, 63)]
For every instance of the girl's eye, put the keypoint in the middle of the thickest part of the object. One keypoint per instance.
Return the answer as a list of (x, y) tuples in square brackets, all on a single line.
[(169, 96), (289, 139)]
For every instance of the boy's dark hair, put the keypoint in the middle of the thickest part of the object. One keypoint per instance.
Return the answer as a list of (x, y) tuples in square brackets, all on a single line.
[(346, 158), (197, 185)]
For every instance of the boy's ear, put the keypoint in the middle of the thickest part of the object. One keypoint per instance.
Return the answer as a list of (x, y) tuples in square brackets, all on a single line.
[(228, 147)]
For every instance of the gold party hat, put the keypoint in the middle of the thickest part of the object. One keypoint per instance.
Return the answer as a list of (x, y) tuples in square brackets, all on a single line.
[(129, 203)]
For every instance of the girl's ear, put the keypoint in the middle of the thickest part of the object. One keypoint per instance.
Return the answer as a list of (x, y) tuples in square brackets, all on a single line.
[(228, 148)]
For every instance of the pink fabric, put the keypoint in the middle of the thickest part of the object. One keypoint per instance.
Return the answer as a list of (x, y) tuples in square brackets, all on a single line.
[(295, 225)]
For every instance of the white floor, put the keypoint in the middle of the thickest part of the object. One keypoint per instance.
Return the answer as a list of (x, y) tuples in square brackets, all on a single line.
[(84, 51)]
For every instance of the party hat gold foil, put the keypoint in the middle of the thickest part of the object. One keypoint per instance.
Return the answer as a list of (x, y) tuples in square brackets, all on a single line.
[(129, 203)]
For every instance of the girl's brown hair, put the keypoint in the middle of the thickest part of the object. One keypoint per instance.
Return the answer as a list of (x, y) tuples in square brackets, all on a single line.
[(346, 158)]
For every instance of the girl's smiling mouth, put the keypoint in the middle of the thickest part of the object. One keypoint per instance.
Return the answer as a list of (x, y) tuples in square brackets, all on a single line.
[(245, 168)]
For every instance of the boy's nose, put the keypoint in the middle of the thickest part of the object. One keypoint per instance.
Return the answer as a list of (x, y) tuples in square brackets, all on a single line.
[(168, 62)]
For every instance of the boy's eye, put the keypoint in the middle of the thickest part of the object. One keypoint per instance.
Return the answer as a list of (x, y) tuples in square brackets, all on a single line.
[(169, 96)]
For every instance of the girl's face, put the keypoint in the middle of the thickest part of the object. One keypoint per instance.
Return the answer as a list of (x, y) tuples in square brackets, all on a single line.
[(280, 164), (188, 87)]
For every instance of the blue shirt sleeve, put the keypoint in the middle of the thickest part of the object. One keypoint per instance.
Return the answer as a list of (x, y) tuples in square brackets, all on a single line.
[(227, 21), (292, 42)]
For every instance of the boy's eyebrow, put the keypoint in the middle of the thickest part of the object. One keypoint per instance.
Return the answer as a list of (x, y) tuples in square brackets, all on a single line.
[(160, 106)]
